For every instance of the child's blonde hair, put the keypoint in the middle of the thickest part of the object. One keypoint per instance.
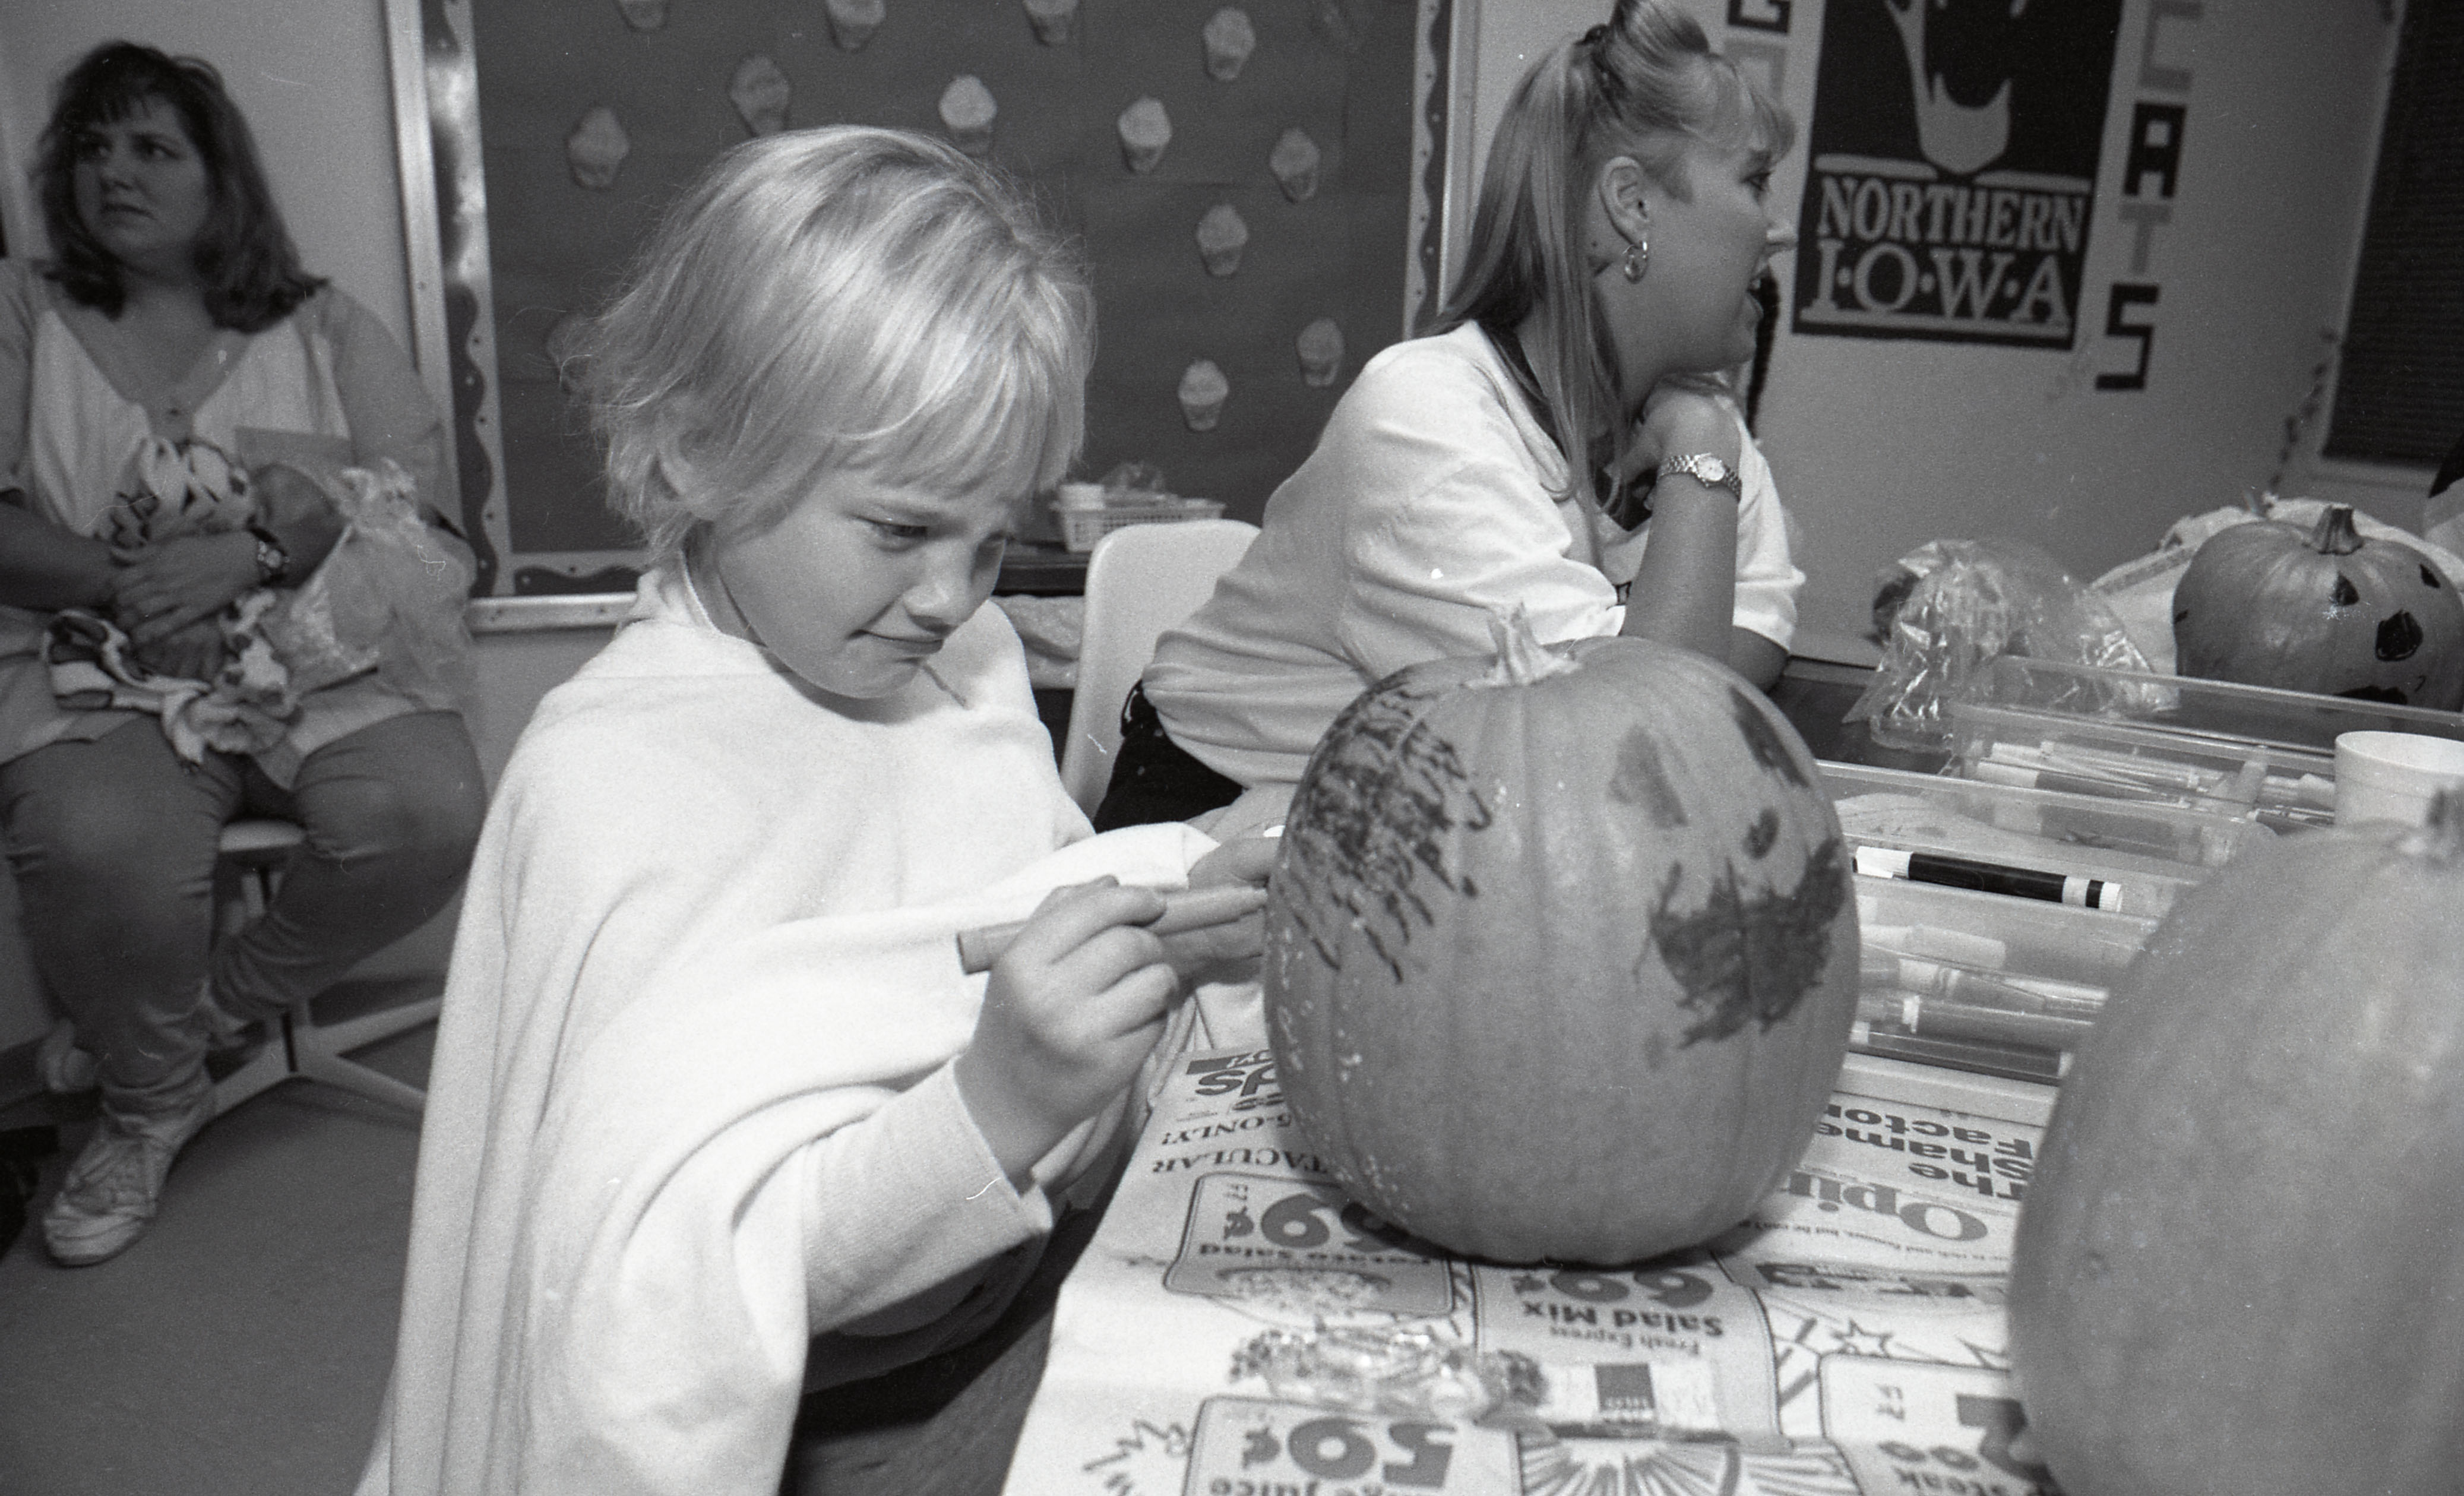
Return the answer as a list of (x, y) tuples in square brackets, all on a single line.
[(839, 298)]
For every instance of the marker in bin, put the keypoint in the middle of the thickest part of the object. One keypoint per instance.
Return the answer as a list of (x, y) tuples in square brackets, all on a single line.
[(1962, 872)]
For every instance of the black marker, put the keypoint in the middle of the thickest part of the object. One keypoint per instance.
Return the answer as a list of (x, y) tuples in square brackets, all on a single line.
[(1960, 873)]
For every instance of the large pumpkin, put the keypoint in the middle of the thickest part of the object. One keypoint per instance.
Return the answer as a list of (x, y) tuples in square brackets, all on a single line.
[(1561, 953), (2240, 1266), (2268, 603)]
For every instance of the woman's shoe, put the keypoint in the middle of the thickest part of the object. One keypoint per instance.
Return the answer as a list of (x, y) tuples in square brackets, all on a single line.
[(113, 1188)]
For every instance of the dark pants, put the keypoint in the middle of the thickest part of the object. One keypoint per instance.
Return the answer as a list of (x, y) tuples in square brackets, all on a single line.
[(1154, 779), (946, 1425), (113, 842)]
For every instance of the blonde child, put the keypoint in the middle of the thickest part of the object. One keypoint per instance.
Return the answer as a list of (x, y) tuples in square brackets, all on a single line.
[(715, 1116)]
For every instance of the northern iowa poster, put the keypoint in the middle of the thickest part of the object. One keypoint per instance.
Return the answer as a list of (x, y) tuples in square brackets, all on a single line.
[(1953, 159)]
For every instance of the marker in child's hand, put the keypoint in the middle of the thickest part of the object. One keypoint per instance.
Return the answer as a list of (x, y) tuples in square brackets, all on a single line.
[(1187, 908), (1960, 873)]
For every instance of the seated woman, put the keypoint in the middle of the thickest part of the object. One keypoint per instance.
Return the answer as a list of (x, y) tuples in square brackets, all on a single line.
[(1513, 457), (716, 1114), (185, 417)]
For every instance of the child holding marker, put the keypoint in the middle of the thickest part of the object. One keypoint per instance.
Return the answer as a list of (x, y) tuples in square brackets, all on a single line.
[(716, 1114)]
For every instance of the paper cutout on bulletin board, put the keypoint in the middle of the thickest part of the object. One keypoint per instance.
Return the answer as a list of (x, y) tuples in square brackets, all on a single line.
[(1290, 118)]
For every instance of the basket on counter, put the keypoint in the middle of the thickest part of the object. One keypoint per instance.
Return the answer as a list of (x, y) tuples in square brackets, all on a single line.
[(1082, 528)]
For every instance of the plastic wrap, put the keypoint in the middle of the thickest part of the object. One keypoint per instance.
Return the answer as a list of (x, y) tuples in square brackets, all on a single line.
[(1953, 608), (388, 598)]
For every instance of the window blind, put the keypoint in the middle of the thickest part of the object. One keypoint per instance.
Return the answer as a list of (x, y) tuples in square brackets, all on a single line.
[(2400, 391)]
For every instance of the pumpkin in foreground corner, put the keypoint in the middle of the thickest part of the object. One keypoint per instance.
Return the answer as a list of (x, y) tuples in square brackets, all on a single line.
[(1561, 950), (2241, 1266)]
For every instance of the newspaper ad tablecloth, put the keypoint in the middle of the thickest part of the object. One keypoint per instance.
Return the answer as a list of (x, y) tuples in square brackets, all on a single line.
[(1238, 1328)]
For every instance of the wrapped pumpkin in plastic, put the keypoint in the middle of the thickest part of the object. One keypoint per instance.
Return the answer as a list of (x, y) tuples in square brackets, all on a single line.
[(1953, 608)]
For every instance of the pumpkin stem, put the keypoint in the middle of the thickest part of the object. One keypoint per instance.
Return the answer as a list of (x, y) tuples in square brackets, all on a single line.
[(2336, 535), (1521, 657)]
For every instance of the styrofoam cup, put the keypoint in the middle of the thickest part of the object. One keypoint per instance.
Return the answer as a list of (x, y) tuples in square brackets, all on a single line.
[(2393, 776)]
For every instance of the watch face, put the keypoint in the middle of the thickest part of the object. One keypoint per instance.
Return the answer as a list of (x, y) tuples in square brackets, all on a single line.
[(1706, 470)]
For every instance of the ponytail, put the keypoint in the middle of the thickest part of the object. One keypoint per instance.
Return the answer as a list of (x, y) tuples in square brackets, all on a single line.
[(1527, 238)]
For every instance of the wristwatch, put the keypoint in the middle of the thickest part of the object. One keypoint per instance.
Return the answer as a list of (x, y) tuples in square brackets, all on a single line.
[(273, 561), (1706, 470)]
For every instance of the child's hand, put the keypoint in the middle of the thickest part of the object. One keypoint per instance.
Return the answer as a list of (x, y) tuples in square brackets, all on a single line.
[(1244, 862), (1068, 1015)]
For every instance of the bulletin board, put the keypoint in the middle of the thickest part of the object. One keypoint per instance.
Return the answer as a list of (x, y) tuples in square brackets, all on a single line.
[(1298, 186)]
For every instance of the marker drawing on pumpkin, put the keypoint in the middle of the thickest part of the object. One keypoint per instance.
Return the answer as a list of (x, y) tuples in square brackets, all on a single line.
[(1642, 779), (2400, 636), (1372, 816), (1750, 957), (1768, 748)]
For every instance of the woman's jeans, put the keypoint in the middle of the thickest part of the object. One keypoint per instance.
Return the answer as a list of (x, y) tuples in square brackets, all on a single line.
[(113, 842)]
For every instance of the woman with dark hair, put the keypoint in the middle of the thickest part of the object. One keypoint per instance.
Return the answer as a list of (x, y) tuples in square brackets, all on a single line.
[(225, 590), (247, 269), (1563, 442)]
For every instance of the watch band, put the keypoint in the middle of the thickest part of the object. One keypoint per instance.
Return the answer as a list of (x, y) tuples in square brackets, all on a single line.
[(1706, 470)]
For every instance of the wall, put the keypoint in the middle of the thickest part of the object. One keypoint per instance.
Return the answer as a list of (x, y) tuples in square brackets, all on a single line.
[(1879, 445)]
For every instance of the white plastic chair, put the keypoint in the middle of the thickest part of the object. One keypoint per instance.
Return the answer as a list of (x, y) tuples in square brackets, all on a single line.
[(1140, 581), (298, 1043)]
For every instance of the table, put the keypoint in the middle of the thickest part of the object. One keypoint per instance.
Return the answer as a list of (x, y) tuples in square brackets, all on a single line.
[(1236, 1327), (1114, 1376), (1136, 1392)]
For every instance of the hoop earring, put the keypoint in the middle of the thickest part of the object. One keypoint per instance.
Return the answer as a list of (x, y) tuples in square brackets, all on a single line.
[(1637, 259)]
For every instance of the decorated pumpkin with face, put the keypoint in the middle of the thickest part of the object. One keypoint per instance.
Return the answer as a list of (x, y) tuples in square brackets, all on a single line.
[(2322, 610)]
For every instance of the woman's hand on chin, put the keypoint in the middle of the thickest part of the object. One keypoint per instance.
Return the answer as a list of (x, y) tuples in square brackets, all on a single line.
[(1679, 421)]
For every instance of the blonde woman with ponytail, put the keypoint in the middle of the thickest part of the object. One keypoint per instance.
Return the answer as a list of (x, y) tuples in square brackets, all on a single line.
[(1563, 441)]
